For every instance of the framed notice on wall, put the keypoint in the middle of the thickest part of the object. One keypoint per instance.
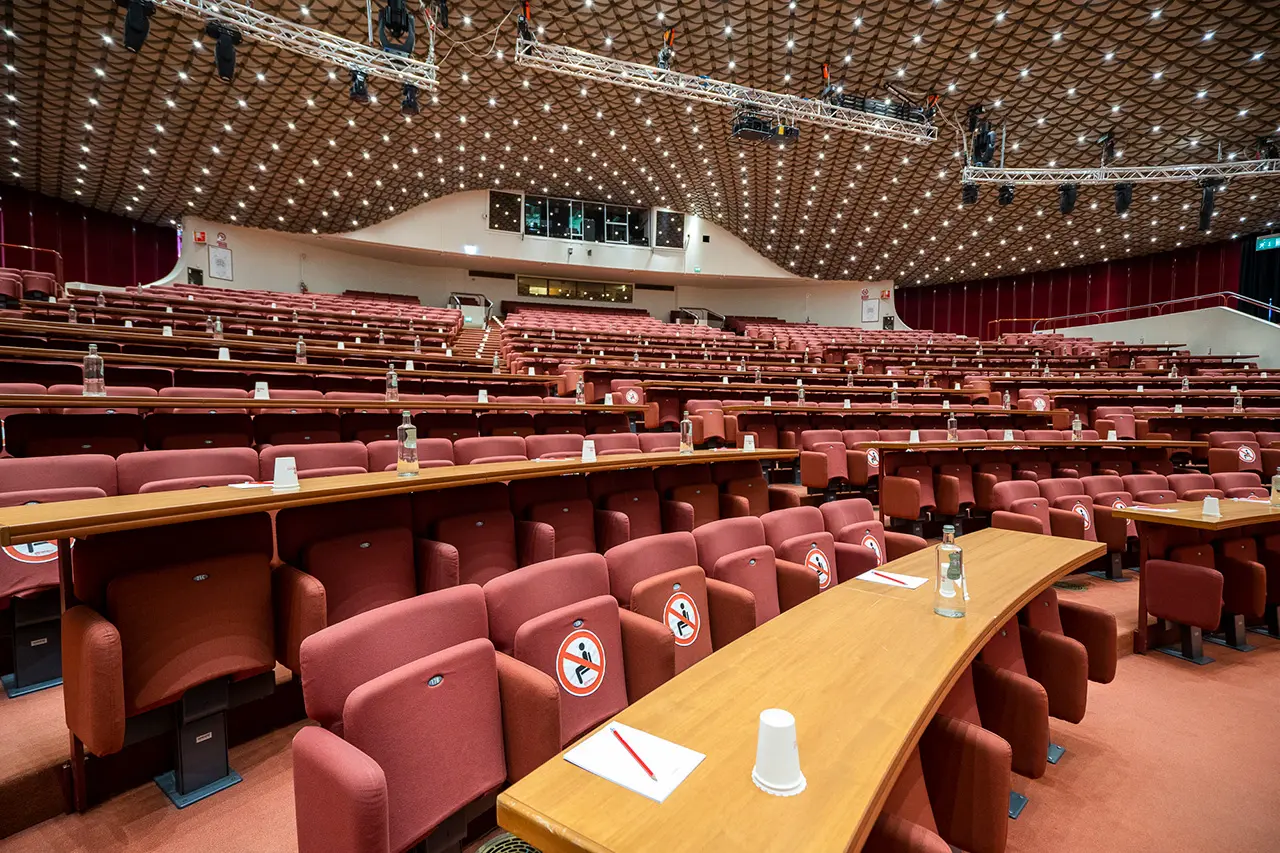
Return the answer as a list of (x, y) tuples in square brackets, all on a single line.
[(870, 310), (220, 263)]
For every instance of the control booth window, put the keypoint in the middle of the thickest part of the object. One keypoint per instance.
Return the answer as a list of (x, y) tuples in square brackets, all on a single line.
[(504, 211), (535, 215), (586, 291)]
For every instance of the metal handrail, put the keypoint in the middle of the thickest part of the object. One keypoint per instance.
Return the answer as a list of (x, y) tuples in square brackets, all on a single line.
[(57, 261), (1222, 298), (455, 301), (692, 313)]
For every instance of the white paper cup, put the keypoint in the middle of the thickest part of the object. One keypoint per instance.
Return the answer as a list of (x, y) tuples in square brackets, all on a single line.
[(777, 769), (286, 474)]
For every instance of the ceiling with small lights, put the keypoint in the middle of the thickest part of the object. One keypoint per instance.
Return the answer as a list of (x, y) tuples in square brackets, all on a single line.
[(157, 135)]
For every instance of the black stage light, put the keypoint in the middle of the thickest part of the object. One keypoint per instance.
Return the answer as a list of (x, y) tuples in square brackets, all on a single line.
[(409, 100), (1207, 191), (983, 138), (969, 193), (1006, 194), (1124, 197), (359, 86), (137, 22), (225, 37), (1067, 198)]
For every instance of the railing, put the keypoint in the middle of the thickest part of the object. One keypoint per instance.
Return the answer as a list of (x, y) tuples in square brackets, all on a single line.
[(57, 261), (691, 313), (1149, 309), (456, 300)]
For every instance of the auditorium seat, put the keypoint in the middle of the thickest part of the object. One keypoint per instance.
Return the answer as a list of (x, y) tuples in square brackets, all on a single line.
[(591, 658), (1193, 487), (746, 584), (907, 495), (432, 453), (696, 495), (707, 417), (615, 443), (659, 577), (853, 522), (1234, 451), (659, 442), (469, 535), (489, 448), (557, 446), (1241, 484), (316, 460), (1092, 627), (1183, 590), (824, 460), (411, 744), (563, 507), (1244, 583), (629, 507), (745, 479), (170, 470), (798, 535), (37, 434), (1019, 506), (174, 627), (107, 407), (1009, 704), (1148, 488)]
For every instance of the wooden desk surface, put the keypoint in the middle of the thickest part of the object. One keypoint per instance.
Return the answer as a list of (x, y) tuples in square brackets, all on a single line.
[(1026, 444), (41, 522), (1235, 513), (785, 408), (862, 666), (850, 390), (67, 401)]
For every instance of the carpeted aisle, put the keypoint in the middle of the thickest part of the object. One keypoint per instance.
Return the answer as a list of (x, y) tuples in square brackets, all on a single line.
[(1170, 757)]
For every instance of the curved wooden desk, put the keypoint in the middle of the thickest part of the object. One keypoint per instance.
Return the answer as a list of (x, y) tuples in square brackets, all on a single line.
[(862, 666)]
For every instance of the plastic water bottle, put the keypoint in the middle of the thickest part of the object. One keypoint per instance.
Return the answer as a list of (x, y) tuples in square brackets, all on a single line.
[(1005, 401), (1275, 489), (94, 382), (848, 379), (758, 375), (406, 447), (101, 301), (859, 368), (1046, 372), (580, 392), (800, 392), (382, 337), (1077, 430), (635, 357), (300, 351), (295, 315), (953, 431), (208, 324), (217, 328), (686, 434), (417, 345), (893, 397), (1237, 404), (72, 315), (950, 591), (393, 385), (497, 368)]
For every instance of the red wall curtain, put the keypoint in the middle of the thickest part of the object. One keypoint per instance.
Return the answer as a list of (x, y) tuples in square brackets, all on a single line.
[(96, 247), (967, 307)]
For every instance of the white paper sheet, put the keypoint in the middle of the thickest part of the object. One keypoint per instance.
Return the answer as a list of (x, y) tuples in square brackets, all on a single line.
[(604, 756), (892, 579), (250, 485)]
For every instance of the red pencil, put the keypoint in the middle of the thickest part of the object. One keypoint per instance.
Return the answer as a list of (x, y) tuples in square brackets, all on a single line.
[(888, 577), (638, 759)]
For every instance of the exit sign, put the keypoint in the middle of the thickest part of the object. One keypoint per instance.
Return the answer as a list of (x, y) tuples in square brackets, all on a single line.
[(1269, 242)]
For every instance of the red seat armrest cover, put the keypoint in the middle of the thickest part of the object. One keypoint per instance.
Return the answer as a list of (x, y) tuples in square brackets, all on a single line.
[(1061, 665), (530, 715), (733, 611), (612, 528), (339, 794), (901, 544), (1183, 593), (93, 680), (796, 583), (676, 516), (535, 542), (649, 651), (301, 609), (734, 506), (437, 565), (1095, 629)]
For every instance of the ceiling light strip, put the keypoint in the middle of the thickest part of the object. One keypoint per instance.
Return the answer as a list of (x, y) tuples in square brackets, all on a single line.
[(315, 44), (589, 66), (1122, 174)]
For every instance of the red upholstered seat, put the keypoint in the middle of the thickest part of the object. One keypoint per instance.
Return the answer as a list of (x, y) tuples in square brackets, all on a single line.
[(628, 506), (469, 535), (798, 535), (562, 505), (559, 446), (316, 460), (1193, 487), (432, 453), (168, 470), (489, 448), (853, 522), (692, 486), (744, 480), (615, 443)]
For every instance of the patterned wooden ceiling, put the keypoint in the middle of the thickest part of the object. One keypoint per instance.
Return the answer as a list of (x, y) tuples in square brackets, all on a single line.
[(157, 135)]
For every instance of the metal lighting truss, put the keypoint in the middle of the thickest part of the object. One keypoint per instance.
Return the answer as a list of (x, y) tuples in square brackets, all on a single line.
[(315, 44), (589, 66), (1122, 174)]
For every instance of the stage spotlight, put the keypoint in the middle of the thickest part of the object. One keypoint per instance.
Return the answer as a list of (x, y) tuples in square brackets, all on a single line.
[(442, 14), (137, 22), (1124, 197), (359, 86), (1067, 198), (983, 138), (1108, 143), (1006, 194), (396, 29), (409, 100), (969, 193), (225, 38), (1207, 191), (667, 54)]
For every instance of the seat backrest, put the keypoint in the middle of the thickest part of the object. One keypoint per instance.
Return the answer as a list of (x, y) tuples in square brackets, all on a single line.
[(563, 504), (657, 442), (608, 443), (432, 453), (964, 478), (797, 535), (837, 515), (489, 448), (147, 471), (1134, 483), (48, 473), (1004, 649), (733, 551), (814, 438), (1059, 487), (561, 446), (316, 460), (1006, 493), (746, 479), (922, 474), (1236, 480), (1196, 555)]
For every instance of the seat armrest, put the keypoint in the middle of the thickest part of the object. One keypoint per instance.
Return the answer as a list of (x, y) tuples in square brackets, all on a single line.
[(901, 544), (1248, 492), (649, 653), (1112, 531), (676, 516), (535, 542), (1061, 665), (1016, 521), (893, 834), (813, 469), (698, 429), (437, 565), (796, 583), (860, 470), (946, 494), (900, 497), (853, 560), (301, 609), (1095, 629), (530, 715), (339, 795), (1026, 475), (1065, 523), (967, 771), (1183, 593), (612, 528), (734, 506), (1016, 708), (733, 612), (93, 680), (782, 497)]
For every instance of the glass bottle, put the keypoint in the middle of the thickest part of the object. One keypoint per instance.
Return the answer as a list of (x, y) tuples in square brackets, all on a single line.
[(848, 379), (800, 392), (217, 328), (101, 300), (382, 337), (208, 324), (1077, 429), (893, 396), (859, 368), (393, 385), (406, 447), (950, 590), (497, 368), (1275, 489), (1005, 401), (580, 392), (295, 315), (300, 351), (72, 314), (1237, 403), (953, 430), (94, 382), (635, 357), (1133, 362), (758, 375), (686, 434), (1046, 372), (417, 344), (1186, 384)]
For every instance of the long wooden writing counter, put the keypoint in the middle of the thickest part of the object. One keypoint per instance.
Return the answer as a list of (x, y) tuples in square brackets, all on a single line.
[(67, 519), (906, 411), (1188, 515), (68, 401), (863, 667)]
